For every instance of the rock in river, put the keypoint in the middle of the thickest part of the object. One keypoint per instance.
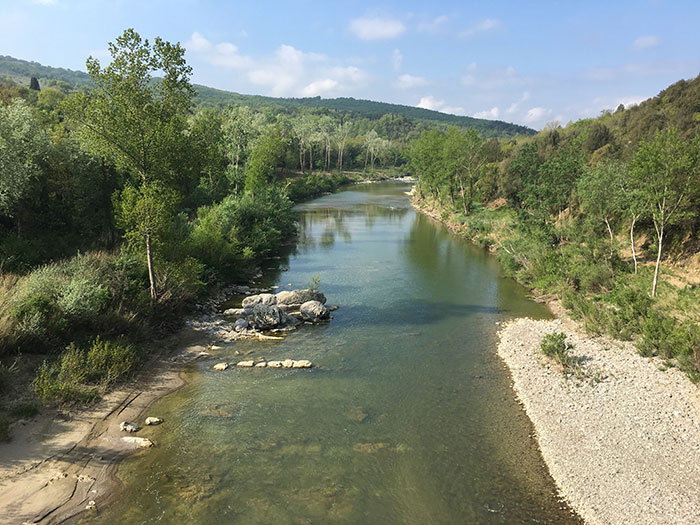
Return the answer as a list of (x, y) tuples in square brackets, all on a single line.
[(220, 366), (314, 311), (265, 317), (240, 325), (263, 298), (300, 296), (125, 426), (153, 420), (245, 364)]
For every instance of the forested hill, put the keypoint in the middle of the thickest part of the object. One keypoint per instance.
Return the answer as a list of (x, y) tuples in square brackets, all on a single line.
[(23, 70), (210, 97)]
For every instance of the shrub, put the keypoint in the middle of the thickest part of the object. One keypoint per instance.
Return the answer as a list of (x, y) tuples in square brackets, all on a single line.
[(74, 376), (555, 347)]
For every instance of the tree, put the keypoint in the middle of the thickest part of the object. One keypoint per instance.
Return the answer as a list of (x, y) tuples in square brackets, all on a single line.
[(145, 214), (263, 160), (600, 190), (137, 122), (23, 144), (341, 134), (464, 158), (326, 126), (240, 128), (664, 170), (34, 84)]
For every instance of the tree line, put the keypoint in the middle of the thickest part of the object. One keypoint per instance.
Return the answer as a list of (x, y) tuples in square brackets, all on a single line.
[(582, 213)]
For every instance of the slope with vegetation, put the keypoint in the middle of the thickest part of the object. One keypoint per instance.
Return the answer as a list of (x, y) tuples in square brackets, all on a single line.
[(347, 108), (602, 213)]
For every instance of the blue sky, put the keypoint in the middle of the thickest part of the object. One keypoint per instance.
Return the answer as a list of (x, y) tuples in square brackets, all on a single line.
[(525, 62)]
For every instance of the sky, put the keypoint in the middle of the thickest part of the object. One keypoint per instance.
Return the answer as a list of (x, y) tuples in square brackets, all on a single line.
[(530, 63)]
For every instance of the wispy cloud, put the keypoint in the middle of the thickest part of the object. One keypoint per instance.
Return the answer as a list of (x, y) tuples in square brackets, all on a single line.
[(516, 105), (376, 28), (433, 25), (536, 115), (484, 26), (223, 54), (430, 102), (46, 2), (396, 60), (488, 113), (410, 82), (646, 42), (286, 72)]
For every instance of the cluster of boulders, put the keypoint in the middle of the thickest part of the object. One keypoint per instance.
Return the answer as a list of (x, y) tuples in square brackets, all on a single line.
[(281, 311)]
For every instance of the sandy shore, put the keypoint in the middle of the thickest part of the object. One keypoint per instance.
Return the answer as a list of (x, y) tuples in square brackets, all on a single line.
[(622, 450), (56, 464)]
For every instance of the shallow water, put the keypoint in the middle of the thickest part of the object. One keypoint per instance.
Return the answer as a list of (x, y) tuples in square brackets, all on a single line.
[(407, 417)]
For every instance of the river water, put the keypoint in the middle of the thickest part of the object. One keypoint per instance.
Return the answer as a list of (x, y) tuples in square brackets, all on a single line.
[(407, 418)]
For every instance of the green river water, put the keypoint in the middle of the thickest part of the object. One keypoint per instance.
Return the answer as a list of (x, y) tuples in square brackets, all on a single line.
[(407, 417)]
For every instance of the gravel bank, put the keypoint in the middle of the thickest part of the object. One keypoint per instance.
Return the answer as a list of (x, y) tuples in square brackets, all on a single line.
[(623, 450)]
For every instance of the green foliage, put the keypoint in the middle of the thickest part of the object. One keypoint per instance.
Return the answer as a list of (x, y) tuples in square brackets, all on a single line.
[(314, 282), (74, 376), (556, 347)]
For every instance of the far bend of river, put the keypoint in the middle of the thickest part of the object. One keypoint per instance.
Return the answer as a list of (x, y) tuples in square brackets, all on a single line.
[(407, 418)]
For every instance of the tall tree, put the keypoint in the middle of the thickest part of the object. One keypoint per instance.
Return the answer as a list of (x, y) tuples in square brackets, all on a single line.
[(136, 121), (341, 134), (665, 169), (23, 144)]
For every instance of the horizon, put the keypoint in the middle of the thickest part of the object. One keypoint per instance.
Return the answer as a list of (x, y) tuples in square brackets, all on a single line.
[(477, 61)]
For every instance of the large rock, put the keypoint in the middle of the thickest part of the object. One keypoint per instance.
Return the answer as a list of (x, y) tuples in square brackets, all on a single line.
[(263, 298), (300, 296), (314, 311), (266, 317)]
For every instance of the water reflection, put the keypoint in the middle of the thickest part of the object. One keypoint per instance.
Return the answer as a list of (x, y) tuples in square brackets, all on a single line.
[(407, 417)]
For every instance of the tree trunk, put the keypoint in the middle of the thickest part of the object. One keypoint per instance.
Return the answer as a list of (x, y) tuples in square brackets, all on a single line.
[(634, 253), (151, 272), (660, 232), (612, 239), (311, 158), (301, 157), (366, 158)]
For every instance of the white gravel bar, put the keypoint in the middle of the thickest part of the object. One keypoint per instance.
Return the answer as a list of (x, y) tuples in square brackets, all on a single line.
[(623, 450)]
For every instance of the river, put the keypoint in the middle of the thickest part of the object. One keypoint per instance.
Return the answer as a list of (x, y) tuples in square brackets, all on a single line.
[(408, 416)]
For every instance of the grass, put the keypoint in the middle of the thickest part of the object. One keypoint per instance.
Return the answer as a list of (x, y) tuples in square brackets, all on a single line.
[(78, 375)]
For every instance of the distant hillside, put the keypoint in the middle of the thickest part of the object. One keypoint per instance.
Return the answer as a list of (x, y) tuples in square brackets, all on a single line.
[(210, 97), (22, 70)]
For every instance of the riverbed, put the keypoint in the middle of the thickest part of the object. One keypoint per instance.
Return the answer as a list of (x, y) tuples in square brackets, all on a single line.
[(408, 415)]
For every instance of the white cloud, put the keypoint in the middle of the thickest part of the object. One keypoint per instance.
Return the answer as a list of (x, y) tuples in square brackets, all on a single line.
[(396, 60), (536, 114), (646, 42), (376, 28), (430, 102), (434, 25), (319, 87), (288, 73), (223, 54), (46, 2), (484, 26), (410, 82), (515, 105), (489, 113)]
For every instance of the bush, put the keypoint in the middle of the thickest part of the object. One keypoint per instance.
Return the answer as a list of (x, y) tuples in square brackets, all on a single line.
[(555, 347), (76, 374)]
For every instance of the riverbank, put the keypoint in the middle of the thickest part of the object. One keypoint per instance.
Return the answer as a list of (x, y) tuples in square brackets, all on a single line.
[(61, 461), (622, 450), (623, 445)]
